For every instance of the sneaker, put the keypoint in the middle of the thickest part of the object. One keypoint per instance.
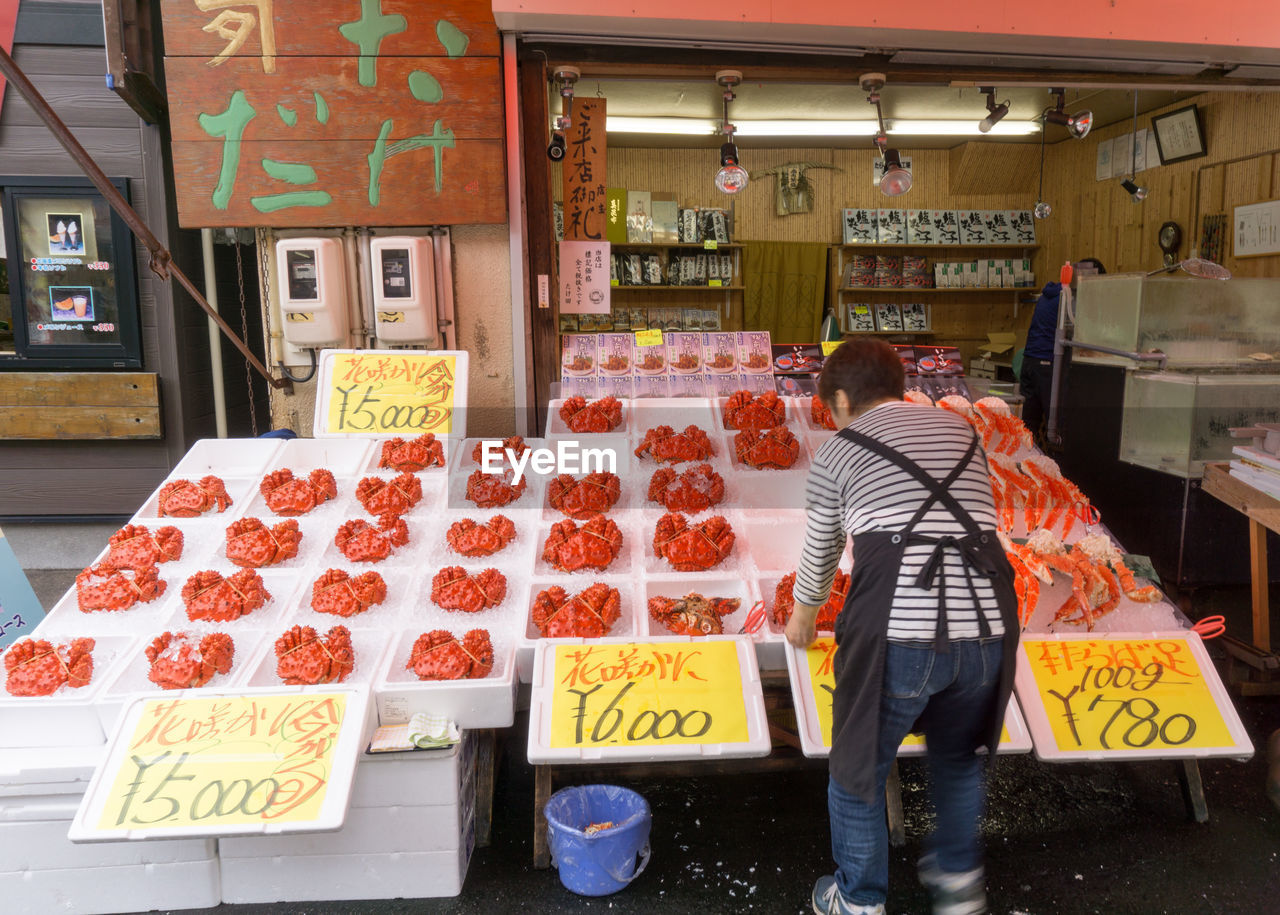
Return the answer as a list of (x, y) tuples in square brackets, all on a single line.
[(953, 894), (827, 900)]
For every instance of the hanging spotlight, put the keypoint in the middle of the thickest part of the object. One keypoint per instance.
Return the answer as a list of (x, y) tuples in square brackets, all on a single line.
[(732, 177), (1134, 190), (1077, 124), (1042, 209), (1131, 187), (895, 180), (566, 77), (994, 112)]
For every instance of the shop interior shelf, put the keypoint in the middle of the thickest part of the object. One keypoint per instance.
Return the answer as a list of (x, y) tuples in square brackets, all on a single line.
[(690, 245), (932, 289), (676, 288), (1008, 246)]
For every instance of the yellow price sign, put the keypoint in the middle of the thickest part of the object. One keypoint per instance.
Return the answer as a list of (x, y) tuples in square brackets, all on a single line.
[(1125, 694), (645, 693), (380, 391), (650, 337), (713, 283), (225, 761), (710, 244), (830, 346)]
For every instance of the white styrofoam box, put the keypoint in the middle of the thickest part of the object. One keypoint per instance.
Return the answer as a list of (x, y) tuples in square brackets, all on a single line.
[(529, 501), (558, 427), (281, 584), (316, 527), (41, 771), (67, 718), (624, 564), (200, 536), (707, 586), (226, 457), (305, 878), (369, 645), (401, 593), (66, 619), (450, 445), (736, 563), (418, 778), (676, 412), (465, 461), (484, 703), (419, 528), (42, 844), (432, 501), (331, 512), (516, 554), (127, 888), (629, 497), (734, 491), (802, 407), (130, 678), (340, 456), (240, 489), (393, 830), (630, 623), (776, 542), (787, 404)]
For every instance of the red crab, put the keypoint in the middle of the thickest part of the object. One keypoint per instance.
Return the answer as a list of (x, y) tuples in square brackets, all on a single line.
[(472, 539), (594, 545), (101, 587), (136, 547), (820, 414), (286, 494), (694, 490), (513, 444), (305, 659), (189, 499), (39, 668), (662, 443), (776, 448), (603, 415), (784, 601), (179, 662), (389, 497), (412, 455), (252, 545), (341, 594), (594, 493), (454, 588), (439, 655), (209, 596), (590, 613), (692, 547), (491, 490), (693, 614), (742, 411), (360, 541)]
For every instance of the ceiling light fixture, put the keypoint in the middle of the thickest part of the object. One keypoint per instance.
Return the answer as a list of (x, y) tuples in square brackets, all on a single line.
[(995, 113), (895, 180), (1077, 124), (732, 177), (1042, 209), (1137, 192), (566, 77)]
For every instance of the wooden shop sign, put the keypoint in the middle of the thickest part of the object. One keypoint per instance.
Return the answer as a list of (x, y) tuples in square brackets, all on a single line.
[(335, 112), (585, 195)]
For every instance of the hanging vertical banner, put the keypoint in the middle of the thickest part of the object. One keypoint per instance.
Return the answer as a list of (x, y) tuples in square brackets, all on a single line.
[(584, 173), (584, 277)]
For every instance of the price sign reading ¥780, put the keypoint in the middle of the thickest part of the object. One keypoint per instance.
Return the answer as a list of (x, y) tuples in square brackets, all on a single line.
[(1153, 696), (384, 392), (226, 764), (639, 699)]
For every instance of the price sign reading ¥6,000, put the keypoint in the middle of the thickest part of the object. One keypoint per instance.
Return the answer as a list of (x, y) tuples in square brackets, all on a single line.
[(379, 392), (647, 693), (1127, 696), (226, 764)]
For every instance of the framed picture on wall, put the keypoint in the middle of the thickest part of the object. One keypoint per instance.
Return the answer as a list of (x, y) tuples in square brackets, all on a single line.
[(1179, 135)]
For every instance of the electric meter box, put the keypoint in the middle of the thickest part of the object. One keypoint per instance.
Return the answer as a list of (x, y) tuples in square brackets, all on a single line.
[(404, 289), (313, 291)]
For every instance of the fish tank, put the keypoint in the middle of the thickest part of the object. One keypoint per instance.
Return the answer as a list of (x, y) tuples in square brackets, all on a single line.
[(1201, 325), (1174, 422)]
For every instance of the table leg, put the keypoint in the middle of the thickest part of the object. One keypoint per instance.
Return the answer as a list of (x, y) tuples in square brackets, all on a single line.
[(486, 760), (1258, 574), (541, 794), (893, 807), (1193, 790)]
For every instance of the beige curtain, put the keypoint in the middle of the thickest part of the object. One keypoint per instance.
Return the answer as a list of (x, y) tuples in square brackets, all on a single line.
[(786, 289)]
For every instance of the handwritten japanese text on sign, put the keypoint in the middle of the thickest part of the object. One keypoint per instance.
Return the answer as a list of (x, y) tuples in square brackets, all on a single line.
[(334, 112), (1125, 694), (226, 761), (583, 174), (378, 392), (584, 277), (637, 694)]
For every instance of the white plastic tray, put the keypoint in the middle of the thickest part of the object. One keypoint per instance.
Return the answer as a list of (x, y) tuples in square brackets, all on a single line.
[(629, 624), (556, 426), (483, 703)]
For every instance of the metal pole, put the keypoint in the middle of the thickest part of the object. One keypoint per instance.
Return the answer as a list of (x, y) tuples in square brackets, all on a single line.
[(215, 343), (517, 250), (161, 260)]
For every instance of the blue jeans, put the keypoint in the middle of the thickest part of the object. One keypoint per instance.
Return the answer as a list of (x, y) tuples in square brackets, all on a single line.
[(957, 687)]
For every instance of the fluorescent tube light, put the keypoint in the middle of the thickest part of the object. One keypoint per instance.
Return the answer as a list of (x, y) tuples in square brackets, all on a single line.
[(797, 128), (941, 128)]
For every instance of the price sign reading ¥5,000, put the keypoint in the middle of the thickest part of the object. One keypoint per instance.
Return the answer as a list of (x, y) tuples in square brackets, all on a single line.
[(813, 686), (391, 392), (226, 764), (666, 697), (1126, 696)]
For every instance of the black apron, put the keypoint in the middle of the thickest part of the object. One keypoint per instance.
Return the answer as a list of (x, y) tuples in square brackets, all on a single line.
[(863, 622)]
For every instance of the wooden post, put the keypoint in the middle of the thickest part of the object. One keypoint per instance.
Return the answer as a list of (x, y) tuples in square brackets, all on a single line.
[(541, 794), (1192, 790), (1258, 575), (486, 761)]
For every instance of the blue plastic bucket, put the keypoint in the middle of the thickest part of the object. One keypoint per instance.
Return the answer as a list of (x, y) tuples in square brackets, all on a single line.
[(608, 860)]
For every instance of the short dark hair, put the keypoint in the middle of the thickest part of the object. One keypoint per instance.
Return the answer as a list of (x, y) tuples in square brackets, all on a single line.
[(1096, 263), (866, 370)]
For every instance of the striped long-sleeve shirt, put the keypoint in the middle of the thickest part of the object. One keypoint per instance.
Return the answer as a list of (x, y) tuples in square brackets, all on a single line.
[(854, 491)]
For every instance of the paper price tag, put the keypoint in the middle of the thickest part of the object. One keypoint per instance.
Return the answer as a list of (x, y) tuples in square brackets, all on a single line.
[(861, 310), (830, 346), (650, 337), (647, 693), (710, 244), (713, 282)]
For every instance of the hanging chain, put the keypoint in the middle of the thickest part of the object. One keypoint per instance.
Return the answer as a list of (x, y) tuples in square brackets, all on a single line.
[(244, 335)]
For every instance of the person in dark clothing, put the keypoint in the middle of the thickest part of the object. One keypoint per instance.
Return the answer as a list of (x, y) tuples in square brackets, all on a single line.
[(1036, 377)]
